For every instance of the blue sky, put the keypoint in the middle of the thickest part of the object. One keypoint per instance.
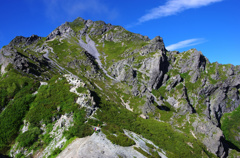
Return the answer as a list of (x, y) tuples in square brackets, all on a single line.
[(210, 26)]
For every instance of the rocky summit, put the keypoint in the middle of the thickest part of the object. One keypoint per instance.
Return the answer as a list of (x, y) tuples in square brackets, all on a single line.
[(91, 89)]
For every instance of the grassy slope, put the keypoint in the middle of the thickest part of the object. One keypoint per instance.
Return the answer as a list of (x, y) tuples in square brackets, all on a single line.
[(40, 110), (162, 134), (16, 96), (231, 126)]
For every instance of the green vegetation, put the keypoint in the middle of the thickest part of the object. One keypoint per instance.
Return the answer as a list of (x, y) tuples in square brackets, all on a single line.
[(121, 139), (49, 98), (154, 153), (233, 154), (216, 68), (143, 152), (231, 127), (29, 137), (164, 115), (156, 93), (186, 55), (79, 129), (66, 51), (76, 25), (51, 101), (55, 152), (11, 119), (84, 39), (116, 51), (162, 91), (162, 134), (16, 96), (136, 102), (20, 155), (223, 75), (112, 50), (185, 75), (41, 41), (81, 89), (59, 150)]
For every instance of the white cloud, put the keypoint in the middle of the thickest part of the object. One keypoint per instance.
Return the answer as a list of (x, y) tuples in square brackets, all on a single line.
[(65, 9), (185, 43), (172, 7)]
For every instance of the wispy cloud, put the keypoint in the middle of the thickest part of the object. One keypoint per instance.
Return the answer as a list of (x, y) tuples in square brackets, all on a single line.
[(185, 43), (172, 7), (74, 8)]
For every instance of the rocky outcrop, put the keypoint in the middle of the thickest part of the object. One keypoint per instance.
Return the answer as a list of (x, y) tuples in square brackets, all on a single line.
[(154, 67), (180, 102), (159, 67), (23, 60), (123, 70), (5, 57), (148, 107), (61, 125), (62, 31), (211, 136), (192, 60), (223, 101), (154, 45), (173, 82), (84, 98), (23, 63), (24, 41), (86, 147), (81, 65)]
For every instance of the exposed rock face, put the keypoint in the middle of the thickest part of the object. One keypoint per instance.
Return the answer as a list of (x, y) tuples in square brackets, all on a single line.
[(148, 107), (154, 45), (62, 31), (122, 70), (26, 41), (86, 147), (174, 81), (158, 68), (224, 94), (26, 126), (61, 125), (154, 67), (26, 64), (212, 136), (84, 99)]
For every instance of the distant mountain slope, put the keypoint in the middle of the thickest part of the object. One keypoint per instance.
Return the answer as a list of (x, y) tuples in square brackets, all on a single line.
[(89, 74)]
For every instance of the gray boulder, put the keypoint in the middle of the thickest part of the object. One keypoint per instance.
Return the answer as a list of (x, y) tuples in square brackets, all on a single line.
[(173, 82), (210, 135), (63, 31)]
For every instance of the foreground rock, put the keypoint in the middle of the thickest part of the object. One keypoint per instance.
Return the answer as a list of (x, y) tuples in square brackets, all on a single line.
[(98, 146)]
